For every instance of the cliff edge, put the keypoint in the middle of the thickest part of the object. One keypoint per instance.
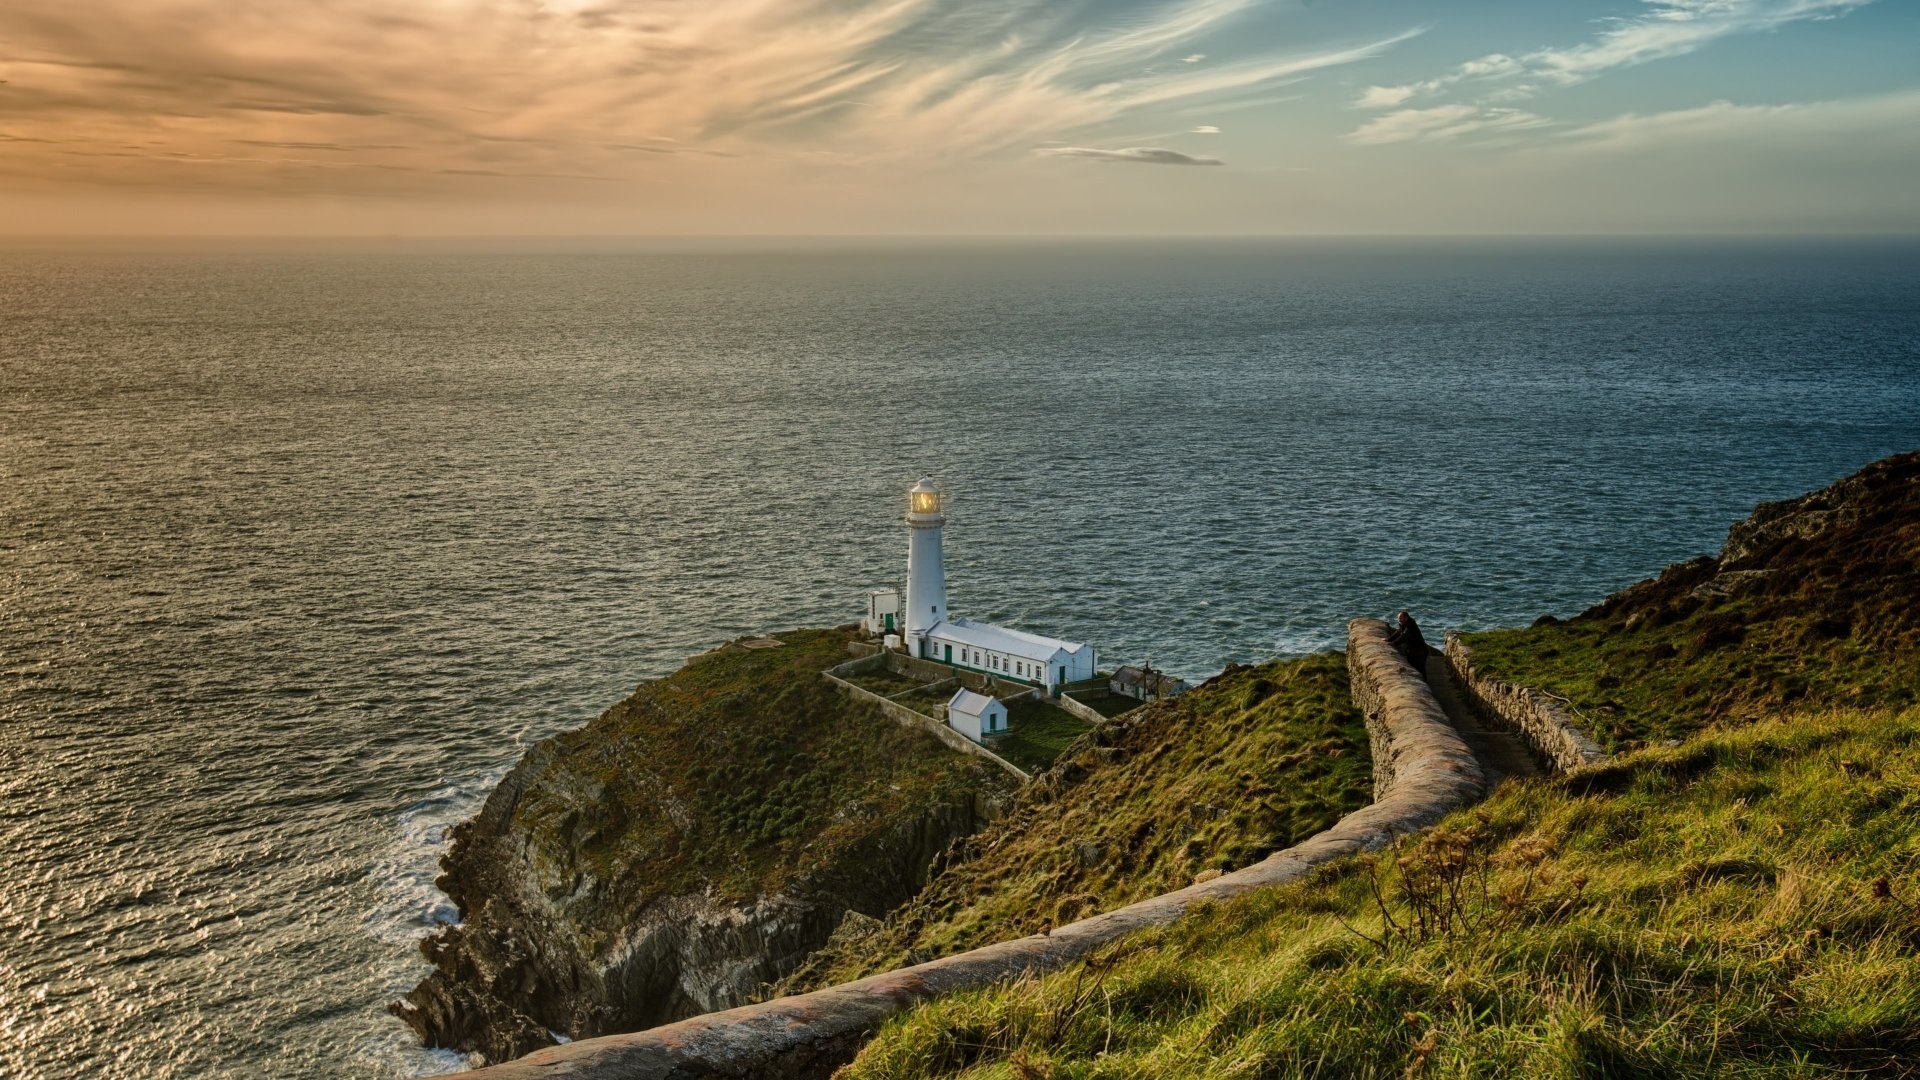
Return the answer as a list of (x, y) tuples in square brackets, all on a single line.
[(690, 845), (1811, 599)]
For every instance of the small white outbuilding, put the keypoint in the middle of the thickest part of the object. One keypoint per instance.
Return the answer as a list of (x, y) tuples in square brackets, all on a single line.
[(975, 715), (883, 611)]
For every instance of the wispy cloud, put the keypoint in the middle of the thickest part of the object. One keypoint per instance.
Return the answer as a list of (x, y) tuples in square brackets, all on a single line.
[(1664, 29), (1384, 97), (1441, 122), (1867, 123), (1675, 28), (1205, 129), (507, 88), (1139, 155)]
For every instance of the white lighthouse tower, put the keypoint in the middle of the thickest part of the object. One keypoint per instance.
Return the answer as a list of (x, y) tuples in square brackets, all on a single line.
[(926, 568)]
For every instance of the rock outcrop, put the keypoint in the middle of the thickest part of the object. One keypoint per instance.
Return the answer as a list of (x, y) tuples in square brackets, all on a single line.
[(684, 850), (1810, 599)]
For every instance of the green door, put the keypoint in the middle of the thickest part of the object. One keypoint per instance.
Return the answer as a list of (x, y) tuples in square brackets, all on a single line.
[(949, 654), (889, 621)]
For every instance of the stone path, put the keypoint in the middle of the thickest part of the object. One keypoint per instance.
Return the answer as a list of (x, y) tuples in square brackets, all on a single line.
[(1500, 753)]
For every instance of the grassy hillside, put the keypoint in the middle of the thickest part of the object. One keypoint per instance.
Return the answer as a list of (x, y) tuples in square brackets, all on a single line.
[(1813, 600), (1734, 895), (1256, 760), (1742, 905), (739, 772), (1037, 734)]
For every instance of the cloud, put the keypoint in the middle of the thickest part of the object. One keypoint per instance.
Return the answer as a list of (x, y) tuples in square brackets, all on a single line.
[(1385, 97), (1143, 155), (1441, 122), (1871, 122), (1205, 129), (478, 89), (1664, 29), (1673, 28), (335, 147)]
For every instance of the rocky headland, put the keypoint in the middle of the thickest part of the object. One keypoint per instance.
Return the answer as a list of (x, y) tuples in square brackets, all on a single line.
[(689, 846), (621, 878)]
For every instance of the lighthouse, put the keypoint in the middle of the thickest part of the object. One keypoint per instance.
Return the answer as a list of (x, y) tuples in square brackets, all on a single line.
[(998, 655), (926, 568)]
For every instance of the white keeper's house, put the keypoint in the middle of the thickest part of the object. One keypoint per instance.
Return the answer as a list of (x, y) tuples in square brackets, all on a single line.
[(927, 629)]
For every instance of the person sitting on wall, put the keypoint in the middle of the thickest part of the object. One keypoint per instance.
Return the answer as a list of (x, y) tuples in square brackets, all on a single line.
[(1406, 638)]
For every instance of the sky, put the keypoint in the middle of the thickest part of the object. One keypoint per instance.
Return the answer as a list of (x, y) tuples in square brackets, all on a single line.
[(936, 117)]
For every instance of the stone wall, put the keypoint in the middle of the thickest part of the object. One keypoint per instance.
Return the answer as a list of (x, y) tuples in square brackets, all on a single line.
[(1423, 772), (1080, 711), (1548, 728), (1418, 757), (899, 713)]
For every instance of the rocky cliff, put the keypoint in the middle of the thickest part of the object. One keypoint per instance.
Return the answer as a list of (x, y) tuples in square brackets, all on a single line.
[(1810, 599), (692, 844)]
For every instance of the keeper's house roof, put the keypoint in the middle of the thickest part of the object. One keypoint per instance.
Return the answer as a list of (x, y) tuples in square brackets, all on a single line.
[(966, 701), (1019, 643)]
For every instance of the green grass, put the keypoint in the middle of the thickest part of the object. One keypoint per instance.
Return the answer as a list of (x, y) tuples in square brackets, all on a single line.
[(930, 702), (1743, 905), (1257, 759), (740, 772), (1106, 704), (1037, 734), (883, 682)]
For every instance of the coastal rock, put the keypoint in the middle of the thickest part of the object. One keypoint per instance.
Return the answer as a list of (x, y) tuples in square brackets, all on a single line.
[(1804, 518), (686, 849)]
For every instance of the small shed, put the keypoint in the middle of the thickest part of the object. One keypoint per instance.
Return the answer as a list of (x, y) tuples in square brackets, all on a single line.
[(1143, 683), (975, 715), (883, 611)]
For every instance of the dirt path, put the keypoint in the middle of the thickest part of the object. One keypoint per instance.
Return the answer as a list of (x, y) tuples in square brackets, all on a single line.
[(1501, 753)]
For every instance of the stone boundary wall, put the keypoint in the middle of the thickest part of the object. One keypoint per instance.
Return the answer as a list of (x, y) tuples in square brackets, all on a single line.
[(1428, 772), (1079, 711), (869, 662), (911, 717), (1547, 727), (943, 684)]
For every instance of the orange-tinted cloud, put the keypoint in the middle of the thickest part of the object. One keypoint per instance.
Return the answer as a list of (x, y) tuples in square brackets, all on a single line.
[(436, 96)]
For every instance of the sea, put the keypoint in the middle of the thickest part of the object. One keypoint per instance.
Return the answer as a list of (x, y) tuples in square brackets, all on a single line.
[(302, 545)]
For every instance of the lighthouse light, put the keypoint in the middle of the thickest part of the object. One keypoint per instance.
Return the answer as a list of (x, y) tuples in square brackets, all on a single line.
[(925, 502)]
